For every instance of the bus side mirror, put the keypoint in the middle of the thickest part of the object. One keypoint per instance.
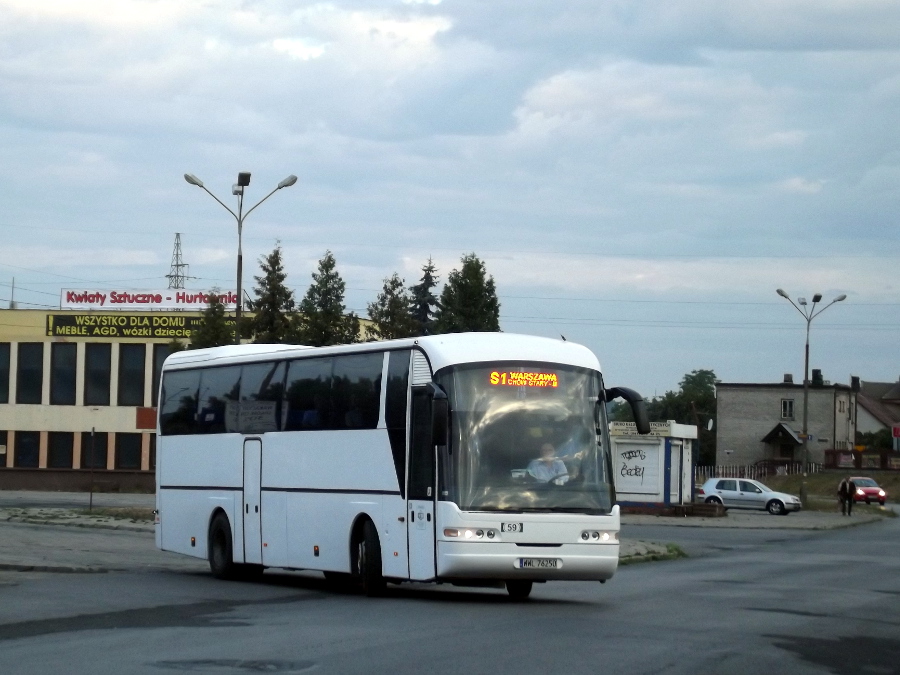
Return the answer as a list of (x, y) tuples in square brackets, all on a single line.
[(440, 415), (638, 407)]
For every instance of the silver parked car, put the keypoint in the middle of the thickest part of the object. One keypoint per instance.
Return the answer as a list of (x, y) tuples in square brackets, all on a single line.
[(743, 493)]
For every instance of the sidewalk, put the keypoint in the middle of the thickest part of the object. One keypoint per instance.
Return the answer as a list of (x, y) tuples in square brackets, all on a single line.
[(803, 520)]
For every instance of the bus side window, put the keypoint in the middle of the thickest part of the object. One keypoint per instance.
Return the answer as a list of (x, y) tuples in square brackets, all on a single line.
[(219, 389), (356, 391), (307, 395), (262, 387), (395, 411), (178, 407)]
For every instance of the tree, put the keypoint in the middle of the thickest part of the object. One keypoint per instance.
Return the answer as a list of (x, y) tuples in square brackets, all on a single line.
[(213, 330), (390, 313), (423, 302), (176, 345), (469, 300), (693, 403), (274, 302), (875, 440), (321, 320)]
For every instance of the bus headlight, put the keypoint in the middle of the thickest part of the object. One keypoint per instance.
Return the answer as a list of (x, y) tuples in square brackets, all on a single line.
[(597, 536)]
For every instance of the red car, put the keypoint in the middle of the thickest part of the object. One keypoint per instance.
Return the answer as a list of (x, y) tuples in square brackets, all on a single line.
[(867, 491)]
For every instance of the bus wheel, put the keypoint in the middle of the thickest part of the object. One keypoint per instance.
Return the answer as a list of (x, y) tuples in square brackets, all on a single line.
[(518, 589), (368, 561), (221, 560)]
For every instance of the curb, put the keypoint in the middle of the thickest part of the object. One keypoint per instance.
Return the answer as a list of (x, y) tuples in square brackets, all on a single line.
[(58, 569), (723, 523), (69, 523)]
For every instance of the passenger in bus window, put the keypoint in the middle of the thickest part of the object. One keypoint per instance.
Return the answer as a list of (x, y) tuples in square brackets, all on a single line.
[(353, 418), (548, 467)]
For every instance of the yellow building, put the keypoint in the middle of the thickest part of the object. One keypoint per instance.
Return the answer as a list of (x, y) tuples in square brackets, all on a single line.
[(65, 374)]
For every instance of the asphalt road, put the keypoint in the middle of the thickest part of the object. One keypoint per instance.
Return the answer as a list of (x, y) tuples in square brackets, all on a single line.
[(749, 601)]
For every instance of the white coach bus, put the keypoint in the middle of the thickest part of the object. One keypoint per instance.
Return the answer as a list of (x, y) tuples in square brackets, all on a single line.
[(471, 458)]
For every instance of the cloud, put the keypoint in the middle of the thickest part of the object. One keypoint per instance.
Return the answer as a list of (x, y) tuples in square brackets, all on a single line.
[(45, 257), (576, 146), (685, 276), (298, 49), (802, 186)]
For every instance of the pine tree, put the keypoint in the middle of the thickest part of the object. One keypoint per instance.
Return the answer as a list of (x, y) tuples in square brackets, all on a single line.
[(213, 330), (321, 320), (274, 302), (469, 300), (176, 345), (423, 301), (390, 313)]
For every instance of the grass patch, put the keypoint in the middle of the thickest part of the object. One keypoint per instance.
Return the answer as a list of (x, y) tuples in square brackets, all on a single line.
[(825, 484), (136, 514), (673, 552)]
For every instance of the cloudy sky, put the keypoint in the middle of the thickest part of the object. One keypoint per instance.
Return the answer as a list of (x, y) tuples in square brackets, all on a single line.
[(637, 176)]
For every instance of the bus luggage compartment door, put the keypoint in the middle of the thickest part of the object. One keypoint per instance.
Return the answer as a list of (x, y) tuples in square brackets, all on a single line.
[(251, 510)]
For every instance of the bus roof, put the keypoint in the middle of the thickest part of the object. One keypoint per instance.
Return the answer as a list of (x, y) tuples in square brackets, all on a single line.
[(442, 350)]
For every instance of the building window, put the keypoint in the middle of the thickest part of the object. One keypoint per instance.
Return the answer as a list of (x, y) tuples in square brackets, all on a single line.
[(787, 408), (131, 374), (94, 452), (62, 373), (4, 372), (128, 451), (97, 359), (28, 444), (152, 452), (160, 352), (59, 449), (842, 407), (30, 377), (4, 445)]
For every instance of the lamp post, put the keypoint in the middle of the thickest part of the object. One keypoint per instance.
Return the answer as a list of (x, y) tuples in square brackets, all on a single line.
[(809, 313), (238, 190)]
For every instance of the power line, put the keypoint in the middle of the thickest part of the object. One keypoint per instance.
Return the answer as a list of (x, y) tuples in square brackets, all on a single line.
[(32, 304)]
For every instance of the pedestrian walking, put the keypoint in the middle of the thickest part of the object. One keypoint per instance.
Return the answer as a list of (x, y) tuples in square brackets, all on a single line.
[(846, 492)]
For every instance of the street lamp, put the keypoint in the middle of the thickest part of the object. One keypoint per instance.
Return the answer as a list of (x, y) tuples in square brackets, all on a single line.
[(238, 190), (809, 313)]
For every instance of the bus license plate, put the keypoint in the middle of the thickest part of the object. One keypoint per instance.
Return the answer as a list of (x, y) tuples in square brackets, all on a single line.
[(540, 563), (511, 527)]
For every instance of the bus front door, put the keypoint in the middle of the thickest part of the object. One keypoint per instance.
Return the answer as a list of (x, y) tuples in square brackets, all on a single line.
[(421, 489), (252, 472)]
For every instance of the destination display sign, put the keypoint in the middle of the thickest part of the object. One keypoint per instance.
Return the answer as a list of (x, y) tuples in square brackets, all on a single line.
[(528, 379), (144, 325)]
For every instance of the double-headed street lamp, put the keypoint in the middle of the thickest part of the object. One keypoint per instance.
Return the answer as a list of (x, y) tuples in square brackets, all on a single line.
[(238, 191), (809, 313)]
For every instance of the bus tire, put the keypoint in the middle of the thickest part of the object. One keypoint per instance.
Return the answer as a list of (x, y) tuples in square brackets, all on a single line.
[(368, 561), (220, 550), (519, 589)]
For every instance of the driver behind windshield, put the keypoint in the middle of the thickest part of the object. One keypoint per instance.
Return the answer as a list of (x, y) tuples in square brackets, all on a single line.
[(548, 467)]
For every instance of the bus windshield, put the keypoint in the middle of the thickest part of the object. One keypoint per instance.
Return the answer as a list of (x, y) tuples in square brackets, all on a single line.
[(526, 437)]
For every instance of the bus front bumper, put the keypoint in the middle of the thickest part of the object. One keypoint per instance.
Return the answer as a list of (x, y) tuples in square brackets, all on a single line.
[(496, 560)]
